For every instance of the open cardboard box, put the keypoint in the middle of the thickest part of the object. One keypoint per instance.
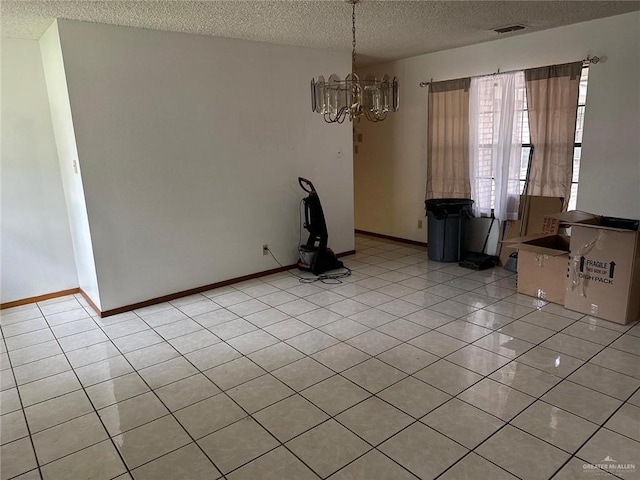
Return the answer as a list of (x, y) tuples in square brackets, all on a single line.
[(604, 266), (542, 265), (533, 218)]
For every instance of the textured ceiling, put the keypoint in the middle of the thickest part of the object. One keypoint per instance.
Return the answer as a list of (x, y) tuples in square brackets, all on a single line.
[(386, 30)]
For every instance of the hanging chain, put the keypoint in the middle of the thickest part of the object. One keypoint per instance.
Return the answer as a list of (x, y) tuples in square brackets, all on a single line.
[(353, 23)]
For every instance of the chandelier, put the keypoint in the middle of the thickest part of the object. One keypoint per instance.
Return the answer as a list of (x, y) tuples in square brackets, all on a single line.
[(338, 99)]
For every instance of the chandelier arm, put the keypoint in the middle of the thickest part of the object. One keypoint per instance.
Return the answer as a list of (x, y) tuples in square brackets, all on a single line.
[(339, 117), (374, 117)]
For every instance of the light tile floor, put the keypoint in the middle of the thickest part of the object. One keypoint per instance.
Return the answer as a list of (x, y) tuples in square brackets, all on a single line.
[(407, 369)]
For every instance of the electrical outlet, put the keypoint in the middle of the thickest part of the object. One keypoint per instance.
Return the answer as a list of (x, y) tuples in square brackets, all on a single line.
[(265, 249), (419, 223)]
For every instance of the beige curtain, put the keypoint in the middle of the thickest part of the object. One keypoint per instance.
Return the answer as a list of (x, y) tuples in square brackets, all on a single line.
[(552, 99), (448, 140)]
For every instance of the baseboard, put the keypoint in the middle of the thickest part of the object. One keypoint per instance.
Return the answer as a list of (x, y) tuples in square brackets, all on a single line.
[(153, 301), (39, 298), (395, 239), (204, 288), (89, 301)]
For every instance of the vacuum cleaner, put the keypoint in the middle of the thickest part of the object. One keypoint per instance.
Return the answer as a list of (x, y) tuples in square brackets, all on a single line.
[(315, 256)]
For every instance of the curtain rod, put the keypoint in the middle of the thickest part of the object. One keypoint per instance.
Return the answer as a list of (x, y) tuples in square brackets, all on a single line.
[(585, 62)]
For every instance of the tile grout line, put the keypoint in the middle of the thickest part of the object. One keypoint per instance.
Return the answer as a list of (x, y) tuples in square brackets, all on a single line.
[(365, 352), (247, 414), (539, 398), (295, 392), (152, 328), (470, 386), (257, 298), (170, 412), (97, 415), (461, 347), (251, 415), (374, 395), (539, 344), (299, 392), (600, 427), (375, 357), (24, 416), (199, 371), (375, 447)]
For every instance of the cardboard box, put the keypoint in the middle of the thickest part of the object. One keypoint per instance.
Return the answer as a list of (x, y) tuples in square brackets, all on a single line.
[(510, 230), (604, 268), (533, 218), (542, 266)]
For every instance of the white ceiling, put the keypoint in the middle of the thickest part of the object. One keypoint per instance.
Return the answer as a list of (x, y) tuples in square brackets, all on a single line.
[(386, 30)]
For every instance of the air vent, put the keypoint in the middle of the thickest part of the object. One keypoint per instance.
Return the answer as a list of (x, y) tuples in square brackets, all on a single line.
[(510, 28)]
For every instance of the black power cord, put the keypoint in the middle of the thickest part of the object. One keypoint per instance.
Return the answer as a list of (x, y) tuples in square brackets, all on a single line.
[(328, 278)]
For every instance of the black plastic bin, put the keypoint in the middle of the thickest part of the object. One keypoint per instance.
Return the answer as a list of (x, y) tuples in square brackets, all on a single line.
[(447, 219)]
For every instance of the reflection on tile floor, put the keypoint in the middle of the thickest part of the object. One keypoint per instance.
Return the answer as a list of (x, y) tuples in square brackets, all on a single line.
[(407, 369)]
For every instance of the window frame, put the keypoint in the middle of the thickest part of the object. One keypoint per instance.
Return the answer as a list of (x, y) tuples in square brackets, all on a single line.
[(526, 146)]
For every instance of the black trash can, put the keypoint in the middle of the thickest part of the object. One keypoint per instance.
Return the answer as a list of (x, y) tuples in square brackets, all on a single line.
[(447, 218)]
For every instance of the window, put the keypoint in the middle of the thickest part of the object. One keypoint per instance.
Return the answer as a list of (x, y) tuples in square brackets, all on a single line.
[(487, 137), (577, 147), (496, 110)]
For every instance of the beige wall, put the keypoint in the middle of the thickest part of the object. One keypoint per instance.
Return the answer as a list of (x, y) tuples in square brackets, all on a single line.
[(390, 166), (36, 254), (190, 147)]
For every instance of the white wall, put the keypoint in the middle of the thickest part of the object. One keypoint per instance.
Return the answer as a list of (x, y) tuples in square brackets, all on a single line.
[(610, 170), (390, 168), (190, 148), (63, 127), (36, 257)]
